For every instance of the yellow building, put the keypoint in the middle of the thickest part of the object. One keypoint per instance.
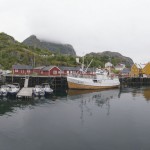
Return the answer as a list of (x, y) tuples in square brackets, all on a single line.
[(135, 70), (146, 69)]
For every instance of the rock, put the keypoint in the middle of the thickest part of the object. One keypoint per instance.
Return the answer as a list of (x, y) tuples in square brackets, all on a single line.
[(54, 47)]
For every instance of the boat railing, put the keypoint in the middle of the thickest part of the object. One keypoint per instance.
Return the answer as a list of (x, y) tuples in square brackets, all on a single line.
[(82, 76)]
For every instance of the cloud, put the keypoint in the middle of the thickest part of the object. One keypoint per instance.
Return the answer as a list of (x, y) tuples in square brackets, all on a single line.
[(90, 26)]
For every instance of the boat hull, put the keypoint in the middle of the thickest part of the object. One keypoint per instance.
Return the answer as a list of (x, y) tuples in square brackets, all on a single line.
[(88, 84), (88, 87)]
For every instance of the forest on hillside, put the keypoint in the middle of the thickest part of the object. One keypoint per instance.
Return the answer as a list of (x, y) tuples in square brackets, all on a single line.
[(12, 52)]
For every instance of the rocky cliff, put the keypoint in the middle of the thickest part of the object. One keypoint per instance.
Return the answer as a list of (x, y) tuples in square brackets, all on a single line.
[(54, 47)]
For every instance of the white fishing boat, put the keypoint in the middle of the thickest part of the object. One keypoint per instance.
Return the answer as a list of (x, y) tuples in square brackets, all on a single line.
[(101, 81), (13, 89), (47, 88), (38, 90), (4, 90)]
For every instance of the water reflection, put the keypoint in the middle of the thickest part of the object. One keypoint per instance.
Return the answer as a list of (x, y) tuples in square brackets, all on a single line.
[(146, 93), (137, 91), (78, 120), (100, 98), (88, 97), (8, 106), (60, 93)]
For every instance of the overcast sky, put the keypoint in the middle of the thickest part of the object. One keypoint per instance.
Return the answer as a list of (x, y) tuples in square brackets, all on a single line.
[(88, 25)]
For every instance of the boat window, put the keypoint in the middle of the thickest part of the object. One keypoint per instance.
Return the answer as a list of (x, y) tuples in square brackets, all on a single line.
[(95, 80)]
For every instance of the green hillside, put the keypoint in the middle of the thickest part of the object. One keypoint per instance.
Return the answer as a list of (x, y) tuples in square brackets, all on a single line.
[(107, 56), (12, 52)]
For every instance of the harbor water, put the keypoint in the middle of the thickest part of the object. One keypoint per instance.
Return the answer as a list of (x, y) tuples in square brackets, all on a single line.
[(78, 120)]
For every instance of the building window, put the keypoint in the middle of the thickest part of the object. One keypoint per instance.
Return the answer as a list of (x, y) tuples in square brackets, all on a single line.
[(54, 72), (16, 70), (67, 72)]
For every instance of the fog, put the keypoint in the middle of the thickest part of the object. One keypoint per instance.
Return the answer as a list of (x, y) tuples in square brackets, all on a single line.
[(88, 25)]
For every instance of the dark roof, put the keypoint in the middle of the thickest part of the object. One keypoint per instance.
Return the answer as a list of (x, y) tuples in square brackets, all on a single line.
[(26, 67), (126, 70), (75, 68), (41, 67), (48, 68), (69, 68)]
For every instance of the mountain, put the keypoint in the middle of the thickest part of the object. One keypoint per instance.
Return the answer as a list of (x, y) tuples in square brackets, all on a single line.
[(13, 52), (53, 47), (114, 57)]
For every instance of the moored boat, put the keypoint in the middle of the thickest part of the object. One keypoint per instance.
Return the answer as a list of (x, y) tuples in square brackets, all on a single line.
[(101, 81), (47, 88), (13, 89), (4, 90), (38, 90)]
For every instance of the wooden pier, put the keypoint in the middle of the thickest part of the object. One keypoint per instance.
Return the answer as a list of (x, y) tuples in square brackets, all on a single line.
[(60, 83), (56, 83), (134, 81), (25, 92)]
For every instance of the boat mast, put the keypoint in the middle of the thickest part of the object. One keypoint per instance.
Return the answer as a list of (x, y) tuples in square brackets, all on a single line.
[(82, 66), (88, 66), (109, 65)]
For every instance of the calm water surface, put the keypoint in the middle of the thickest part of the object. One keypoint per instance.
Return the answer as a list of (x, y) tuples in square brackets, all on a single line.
[(104, 120)]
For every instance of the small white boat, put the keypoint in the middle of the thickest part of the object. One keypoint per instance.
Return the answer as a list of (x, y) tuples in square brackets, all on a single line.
[(38, 90), (4, 90), (47, 88), (13, 89)]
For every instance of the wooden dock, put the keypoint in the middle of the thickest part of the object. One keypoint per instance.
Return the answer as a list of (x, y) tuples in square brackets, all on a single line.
[(25, 93), (56, 83), (134, 81)]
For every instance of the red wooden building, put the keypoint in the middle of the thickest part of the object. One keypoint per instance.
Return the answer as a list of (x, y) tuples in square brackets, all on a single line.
[(22, 69), (69, 70), (37, 70), (50, 71)]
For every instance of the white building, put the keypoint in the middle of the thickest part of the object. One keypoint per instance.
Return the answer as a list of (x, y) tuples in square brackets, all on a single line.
[(108, 64), (120, 67)]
